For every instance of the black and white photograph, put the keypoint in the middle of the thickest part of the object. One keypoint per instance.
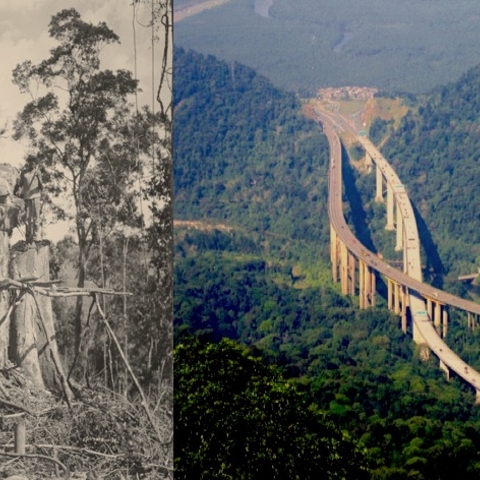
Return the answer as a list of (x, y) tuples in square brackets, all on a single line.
[(86, 240)]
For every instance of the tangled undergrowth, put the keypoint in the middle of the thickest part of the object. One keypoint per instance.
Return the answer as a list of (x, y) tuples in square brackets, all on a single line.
[(104, 435)]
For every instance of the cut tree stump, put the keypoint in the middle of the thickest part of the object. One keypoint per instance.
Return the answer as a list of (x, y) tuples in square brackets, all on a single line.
[(31, 349)]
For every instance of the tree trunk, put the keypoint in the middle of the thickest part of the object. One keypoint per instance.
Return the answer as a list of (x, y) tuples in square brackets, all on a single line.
[(79, 302), (36, 353), (4, 300)]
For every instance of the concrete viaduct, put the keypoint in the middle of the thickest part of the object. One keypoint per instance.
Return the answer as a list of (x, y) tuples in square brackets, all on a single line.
[(357, 268)]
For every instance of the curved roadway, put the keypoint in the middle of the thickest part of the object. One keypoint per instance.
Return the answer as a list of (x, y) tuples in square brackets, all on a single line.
[(417, 303)]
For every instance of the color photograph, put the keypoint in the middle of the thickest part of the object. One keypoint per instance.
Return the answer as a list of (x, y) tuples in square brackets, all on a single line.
[(326, 239)]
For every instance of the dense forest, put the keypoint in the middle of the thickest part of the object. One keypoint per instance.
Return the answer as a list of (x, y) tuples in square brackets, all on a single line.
[(260, 426), (244, 152), (356, 367), (254, 269), (405, 46)]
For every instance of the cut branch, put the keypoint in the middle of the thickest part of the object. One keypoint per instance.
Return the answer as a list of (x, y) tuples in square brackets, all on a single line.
[(43, 289), (73, 449), (43, 457), (18, 407)]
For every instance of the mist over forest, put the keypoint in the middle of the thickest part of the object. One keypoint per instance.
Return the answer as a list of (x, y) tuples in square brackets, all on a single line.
[(408, 46)]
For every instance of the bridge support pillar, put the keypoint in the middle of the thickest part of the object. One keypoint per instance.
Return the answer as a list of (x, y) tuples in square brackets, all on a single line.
[(396, 298), (390, 294), (445, 320), (429, 308), (361, 283), (404, 308), (368, 286), (344, 268), (437, 315), (334, 253), (379, 193), (367, 290), (373, 292), (399, 245), (351, 273), (471, 320), (390, 205), (477, 397), (368, 162), (445, 369)]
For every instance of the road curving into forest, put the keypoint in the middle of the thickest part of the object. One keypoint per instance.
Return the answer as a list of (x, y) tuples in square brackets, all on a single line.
[(418, 290)]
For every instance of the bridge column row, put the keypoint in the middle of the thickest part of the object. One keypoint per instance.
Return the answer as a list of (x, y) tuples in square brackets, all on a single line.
[(367, 285), (344, 268), (343, 264), (391, 225), (398, 301), (439, 313)]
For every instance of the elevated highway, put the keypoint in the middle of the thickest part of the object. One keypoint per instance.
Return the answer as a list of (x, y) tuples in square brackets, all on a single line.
[(405, 288)]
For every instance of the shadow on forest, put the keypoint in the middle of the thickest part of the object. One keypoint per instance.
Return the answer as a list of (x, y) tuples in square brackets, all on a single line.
[(431, 251), (359, 219), (358, 215), (352, 195)]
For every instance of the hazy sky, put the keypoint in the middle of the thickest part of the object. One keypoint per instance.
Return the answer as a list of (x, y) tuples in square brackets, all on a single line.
[(24, 36)]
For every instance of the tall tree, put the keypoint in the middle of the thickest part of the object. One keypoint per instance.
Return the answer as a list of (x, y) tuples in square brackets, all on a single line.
[(159, 187), (78, 126)]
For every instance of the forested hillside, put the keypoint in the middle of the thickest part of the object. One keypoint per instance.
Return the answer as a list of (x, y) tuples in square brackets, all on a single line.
[(244, 153), (436, 152), (247, 163), (353, 367)]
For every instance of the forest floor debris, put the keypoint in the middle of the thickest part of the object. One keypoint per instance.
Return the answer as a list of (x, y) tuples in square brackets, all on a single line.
[(103, 436)]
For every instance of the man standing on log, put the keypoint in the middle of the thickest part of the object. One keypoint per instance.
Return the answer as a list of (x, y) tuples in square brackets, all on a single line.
[(29, 187)]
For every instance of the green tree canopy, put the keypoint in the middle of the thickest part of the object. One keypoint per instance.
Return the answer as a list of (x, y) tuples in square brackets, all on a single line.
[(236, 418)]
